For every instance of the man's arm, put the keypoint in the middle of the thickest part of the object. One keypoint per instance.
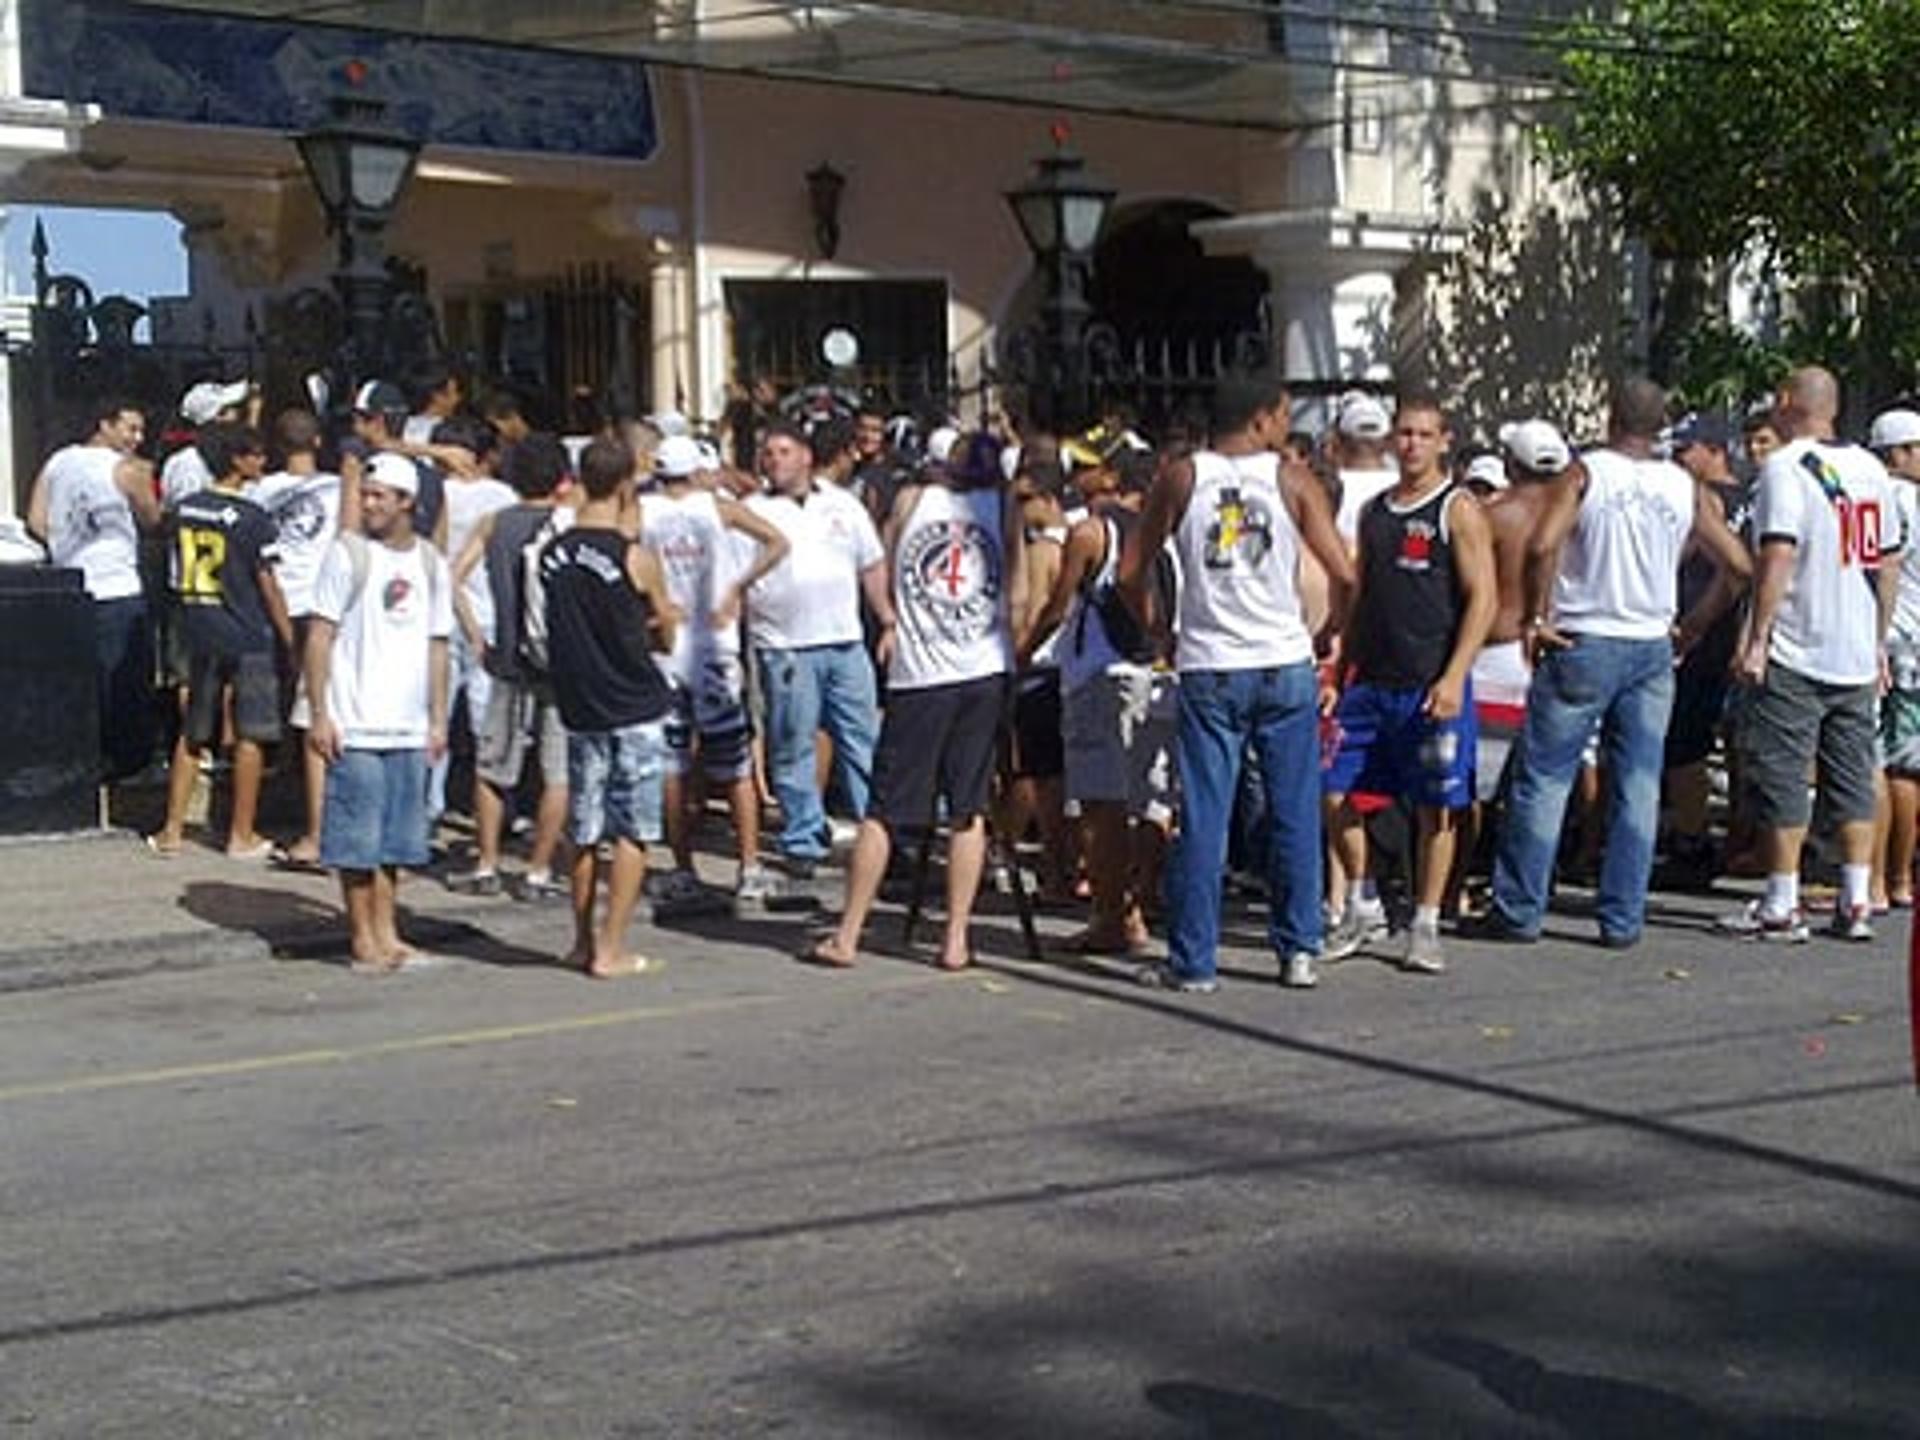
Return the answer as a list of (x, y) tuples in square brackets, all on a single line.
[(1777, 555), (1472, 541), (323, 735), (1013, 536), (470, 558), (351, 469), (37, 518), (1085, 542), (1542, 564), (646, 576), (1159, 518), (1733, 568), (275, 600), (774, 548), (135, 479), (1312, 513), (438, 668)]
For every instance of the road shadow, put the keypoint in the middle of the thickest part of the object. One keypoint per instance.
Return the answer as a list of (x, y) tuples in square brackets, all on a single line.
[(1222, 1414), (301, 927)]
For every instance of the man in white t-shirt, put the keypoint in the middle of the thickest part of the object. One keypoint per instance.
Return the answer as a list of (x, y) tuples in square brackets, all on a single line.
[(89, 504), (803, 620), (1828, 531), (1363, 428), (304, 503), (377, 677), (1602, 591), (1896, 440), (208, 403)]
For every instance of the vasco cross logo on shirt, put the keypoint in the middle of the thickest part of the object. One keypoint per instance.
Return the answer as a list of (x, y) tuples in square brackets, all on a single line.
[(395, 595), (952, 571)]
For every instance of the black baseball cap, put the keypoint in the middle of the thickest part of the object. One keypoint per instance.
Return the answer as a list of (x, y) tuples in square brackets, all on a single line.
[(1710, 430), (380, 397)]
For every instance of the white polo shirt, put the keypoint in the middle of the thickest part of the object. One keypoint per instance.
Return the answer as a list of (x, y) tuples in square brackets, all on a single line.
[(813, 596)]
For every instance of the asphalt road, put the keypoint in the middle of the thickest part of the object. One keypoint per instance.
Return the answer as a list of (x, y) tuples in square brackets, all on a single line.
[(1559, 1192)]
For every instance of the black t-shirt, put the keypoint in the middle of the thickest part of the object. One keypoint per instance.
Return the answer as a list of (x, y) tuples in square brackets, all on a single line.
[(601, 664), (220, 543)]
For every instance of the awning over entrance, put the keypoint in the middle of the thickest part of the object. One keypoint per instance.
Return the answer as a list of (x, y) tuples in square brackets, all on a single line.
[(1274, 65)]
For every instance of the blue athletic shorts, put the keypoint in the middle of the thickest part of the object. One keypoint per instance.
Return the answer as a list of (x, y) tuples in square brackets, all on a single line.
[(615, 783), (376, 810), (1389, 747)]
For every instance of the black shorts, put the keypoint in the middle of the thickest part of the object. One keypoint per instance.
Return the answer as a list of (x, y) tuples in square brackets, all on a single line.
[(937, 743), (1039, 751), (1700, 688), (255, 679)]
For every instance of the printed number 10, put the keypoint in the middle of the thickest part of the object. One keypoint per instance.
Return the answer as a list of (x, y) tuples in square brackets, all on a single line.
[(1859, 531)]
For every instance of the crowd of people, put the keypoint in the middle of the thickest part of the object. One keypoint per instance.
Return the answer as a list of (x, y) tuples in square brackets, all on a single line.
[(1385, 680)]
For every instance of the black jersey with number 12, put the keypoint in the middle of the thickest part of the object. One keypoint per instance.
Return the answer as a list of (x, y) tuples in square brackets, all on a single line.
[(221, 541)]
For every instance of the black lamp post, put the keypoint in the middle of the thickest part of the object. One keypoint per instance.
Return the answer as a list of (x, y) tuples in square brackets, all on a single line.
[(359, 164), (1061, 210)]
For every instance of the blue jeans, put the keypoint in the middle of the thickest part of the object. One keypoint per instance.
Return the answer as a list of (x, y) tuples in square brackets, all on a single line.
[(823, 687), (1625, 689), (1222, 712), (123, 660), (376, 811)]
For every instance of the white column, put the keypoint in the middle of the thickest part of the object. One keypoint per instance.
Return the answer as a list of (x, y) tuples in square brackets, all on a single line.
[(670, 364)]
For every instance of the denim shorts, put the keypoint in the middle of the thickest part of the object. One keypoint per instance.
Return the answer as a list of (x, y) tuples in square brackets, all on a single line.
[(376, 810), (615, 780), (1390, 746)]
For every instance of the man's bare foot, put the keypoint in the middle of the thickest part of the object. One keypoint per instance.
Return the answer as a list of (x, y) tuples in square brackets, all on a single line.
[(828, 951), (242, 847), (372, 958), (166, 846), (399, 952), (617, 967), (954, 961)]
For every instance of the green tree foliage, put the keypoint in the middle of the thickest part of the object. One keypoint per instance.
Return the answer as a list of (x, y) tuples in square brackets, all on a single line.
[(1783, 129)]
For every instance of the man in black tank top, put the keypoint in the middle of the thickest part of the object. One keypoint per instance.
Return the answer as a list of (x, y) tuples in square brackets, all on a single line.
[(1406, 724), (607, 615)]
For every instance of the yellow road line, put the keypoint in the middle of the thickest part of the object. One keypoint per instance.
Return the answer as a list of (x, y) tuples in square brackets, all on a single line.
[(413, 1044)]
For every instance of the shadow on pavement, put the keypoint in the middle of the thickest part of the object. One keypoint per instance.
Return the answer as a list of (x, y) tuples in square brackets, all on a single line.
[(1220, 1414)]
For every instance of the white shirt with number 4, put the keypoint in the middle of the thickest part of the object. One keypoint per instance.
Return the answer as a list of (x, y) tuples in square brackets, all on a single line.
[(1836, 504), (378, 688)]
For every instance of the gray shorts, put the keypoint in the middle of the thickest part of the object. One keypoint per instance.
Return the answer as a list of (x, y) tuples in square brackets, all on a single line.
[(1790, 721), (1119, 729), (517, 714)]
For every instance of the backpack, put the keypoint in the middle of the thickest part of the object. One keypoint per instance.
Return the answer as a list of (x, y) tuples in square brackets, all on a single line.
[(1101, 598), (531, 645), (361, 556)]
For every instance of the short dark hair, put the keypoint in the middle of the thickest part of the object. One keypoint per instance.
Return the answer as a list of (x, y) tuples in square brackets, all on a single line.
[(468, 432), (221, 445), (831, 439), (1424, 400), (536, 466), (502, 403), (1758, 421), (110, 408), (1238, 398), (431, 377), (1136, 470), (1638, 407), (786, 430), (295, 432), (605, 466)]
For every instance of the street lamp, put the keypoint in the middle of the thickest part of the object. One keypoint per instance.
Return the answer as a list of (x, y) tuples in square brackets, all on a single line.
[(359, 166), (1060, 211)]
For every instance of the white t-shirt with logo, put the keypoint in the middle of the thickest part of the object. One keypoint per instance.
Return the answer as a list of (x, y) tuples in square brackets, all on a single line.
[(1620, 568), (468, 503), (813, 596), (306, 511), (1836, 503), (378, 688), (1239, 557), (90, 523), (690, 538), (949, 590)]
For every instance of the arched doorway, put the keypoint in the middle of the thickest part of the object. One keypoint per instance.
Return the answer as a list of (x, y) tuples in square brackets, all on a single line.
[(1154, 284)]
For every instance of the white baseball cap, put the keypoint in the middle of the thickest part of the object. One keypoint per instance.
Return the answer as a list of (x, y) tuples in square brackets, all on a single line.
[(202, 404), (670, 424), (394, 472), (1488, 470), (941, 442), (709, 455), (1536, 445), (677, 457), (1363, 416), (1894, 427)]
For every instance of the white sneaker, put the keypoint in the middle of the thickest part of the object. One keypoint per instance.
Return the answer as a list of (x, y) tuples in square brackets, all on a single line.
[(1852, 922), (1756, 922), (1298, 971), (757, 885), (1424, 955)]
